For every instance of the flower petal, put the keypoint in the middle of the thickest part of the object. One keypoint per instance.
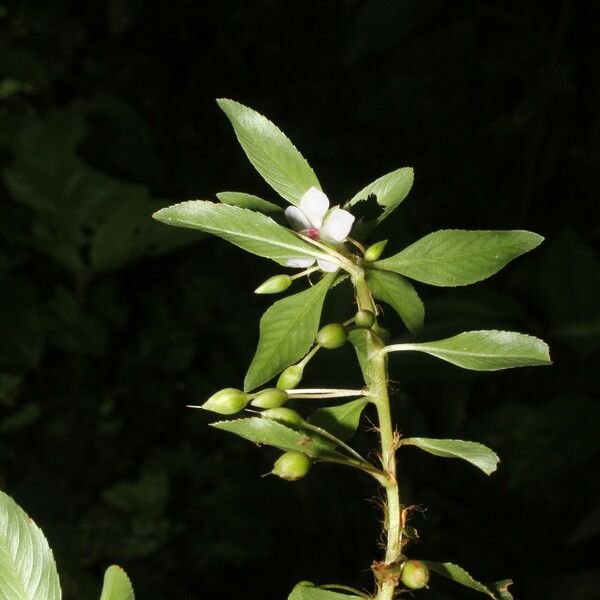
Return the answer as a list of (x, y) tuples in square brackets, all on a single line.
[(299, 263), (314, 204), (325, 265), (337, 226), (296, 218)]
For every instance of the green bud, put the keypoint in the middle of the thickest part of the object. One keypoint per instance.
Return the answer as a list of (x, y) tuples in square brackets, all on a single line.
[(270, 398), (372, 253), (227, 401), (290, 377), (283, 415), (382, 332), (364, 318), (332, 336), (274, 285), (292, 466), (415, 574)]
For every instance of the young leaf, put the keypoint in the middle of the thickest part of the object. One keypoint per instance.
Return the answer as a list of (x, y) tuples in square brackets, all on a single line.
[(454, 257), (271, 152), (477, 454), (342, 421), (249, 201), (400, 295), (500, 589), (307, 591), (27, 567), (359, 338), (486, 350), (274, 433), (287, 330), (250, 230), (116, 585), (458, 574), (389, 190)]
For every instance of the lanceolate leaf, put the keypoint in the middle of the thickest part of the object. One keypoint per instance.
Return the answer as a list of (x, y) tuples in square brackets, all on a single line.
[(247, 229), (27, 567), (116, 585), (458, 574), (456, 257), (400, 295), (287, 330), (271, 152), (486, 350), (477, 454), (342, 421), (306, 591), (249, 201), (273, 433), (389, 190)]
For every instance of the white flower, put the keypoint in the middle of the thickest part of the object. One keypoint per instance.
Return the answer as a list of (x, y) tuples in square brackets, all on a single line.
[(314, 220)]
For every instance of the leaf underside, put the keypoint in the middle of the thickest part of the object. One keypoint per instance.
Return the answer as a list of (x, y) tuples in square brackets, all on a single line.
[(305, 591), (117, 585)]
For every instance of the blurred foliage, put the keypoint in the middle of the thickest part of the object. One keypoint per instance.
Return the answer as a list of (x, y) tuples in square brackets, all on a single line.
[(111, 323)]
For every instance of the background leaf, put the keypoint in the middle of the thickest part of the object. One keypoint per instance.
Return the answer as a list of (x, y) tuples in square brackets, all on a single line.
[(287, 330), (117, 585), (251, 231), (390, 190), (342, 421), (27, 567), (486, 350), (477, 454), (249, 201), (271, 152), (267, 431), (453, 257), (399, 293)]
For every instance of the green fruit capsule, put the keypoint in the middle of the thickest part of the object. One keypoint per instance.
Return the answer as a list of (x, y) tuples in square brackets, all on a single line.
[(373, 253), (292, 466), (274, 285), (270, 398), (283, 415), (364, 318), (332, 336), (227, 401), (290, 377), (415, 574)]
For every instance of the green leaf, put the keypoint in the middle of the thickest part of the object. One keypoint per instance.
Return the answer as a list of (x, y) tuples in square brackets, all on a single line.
[(459, 575), (116, 585), (400, 295), (342, 421), (477, 454), (389, 190), (360, 339), (486, 350), (287, 330), (274, 433), (271, 152), (248, 201), (307, 591), (27, 567), (454, 257), (250, 230), (500, 589)]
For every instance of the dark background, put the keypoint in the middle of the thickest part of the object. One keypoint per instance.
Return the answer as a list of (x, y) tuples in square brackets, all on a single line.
[(110, 324)]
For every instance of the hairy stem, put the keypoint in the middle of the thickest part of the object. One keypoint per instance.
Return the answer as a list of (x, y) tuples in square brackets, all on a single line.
[(378, 384)]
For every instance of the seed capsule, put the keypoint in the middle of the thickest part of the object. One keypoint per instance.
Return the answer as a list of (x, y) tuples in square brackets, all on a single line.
[(270, 398), (290, 377), (292, 466), (372, 253), (283, 415), (332, 336), (227, 401), (364, 318), (415, 574), (274, 285)]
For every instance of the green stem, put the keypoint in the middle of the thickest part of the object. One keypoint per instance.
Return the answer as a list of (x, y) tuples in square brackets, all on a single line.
[(378, 384)]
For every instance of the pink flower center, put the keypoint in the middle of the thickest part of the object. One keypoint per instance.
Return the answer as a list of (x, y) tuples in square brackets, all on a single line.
[(312, 233)]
